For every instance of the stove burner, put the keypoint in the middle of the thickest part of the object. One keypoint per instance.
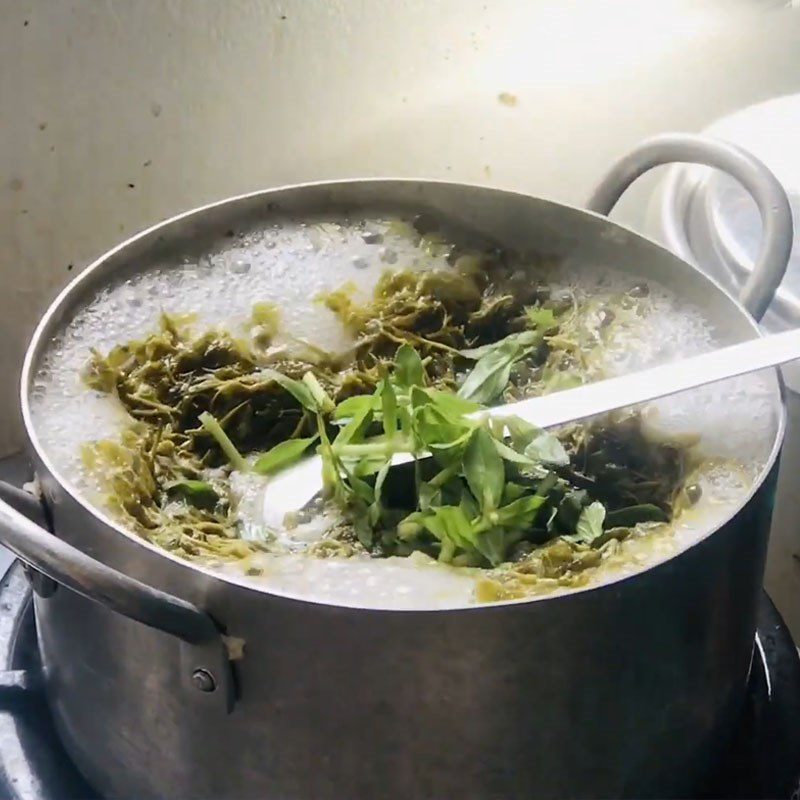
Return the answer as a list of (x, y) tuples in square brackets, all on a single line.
[(764, 761)]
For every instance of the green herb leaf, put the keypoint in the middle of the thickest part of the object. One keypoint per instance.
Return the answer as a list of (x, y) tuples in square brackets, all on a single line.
[(521, 431), (449, 524), (590, 524), (408, 368), (522, 340), (376, 509), (547, 449), (508, 454), (569, 510), (451, 404), (356, 428), (436, 429), (323, 402), (388, 409), (520, 513), (484, 470), (489, 377), (299, 390), (492, 545), (282, 455), (353, 405)]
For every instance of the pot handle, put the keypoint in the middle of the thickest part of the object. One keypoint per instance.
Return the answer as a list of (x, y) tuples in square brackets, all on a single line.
[(204, 656), (763, 186)]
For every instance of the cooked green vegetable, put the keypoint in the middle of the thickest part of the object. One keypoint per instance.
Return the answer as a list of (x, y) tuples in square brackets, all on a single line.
[(198, 493), (429, 349)]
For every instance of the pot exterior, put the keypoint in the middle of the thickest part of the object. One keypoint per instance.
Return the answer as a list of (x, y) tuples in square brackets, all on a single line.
[(625, 690)]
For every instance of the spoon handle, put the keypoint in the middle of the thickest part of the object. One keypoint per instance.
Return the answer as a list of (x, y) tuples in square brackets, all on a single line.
[(650, 384)]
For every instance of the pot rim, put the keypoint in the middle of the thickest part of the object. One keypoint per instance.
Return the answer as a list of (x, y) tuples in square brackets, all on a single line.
[(37, 343)]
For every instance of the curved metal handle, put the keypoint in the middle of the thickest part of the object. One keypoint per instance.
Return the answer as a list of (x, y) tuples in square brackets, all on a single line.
[(770, 197), (204, 650)]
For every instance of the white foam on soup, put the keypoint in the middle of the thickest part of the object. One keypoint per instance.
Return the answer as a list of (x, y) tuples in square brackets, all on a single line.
[(289, 265)]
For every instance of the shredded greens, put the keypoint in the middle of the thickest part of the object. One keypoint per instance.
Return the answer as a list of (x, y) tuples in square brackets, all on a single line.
[(430, 350)]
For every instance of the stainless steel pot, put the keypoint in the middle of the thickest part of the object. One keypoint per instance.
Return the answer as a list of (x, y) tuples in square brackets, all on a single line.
[(625, 689)]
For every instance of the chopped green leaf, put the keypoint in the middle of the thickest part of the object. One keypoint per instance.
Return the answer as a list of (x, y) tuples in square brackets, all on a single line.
[(449, 524), (282, 455), (590, 524), (408, 370), (321, 399), (484, 470), (388, 409), (519, 513), (547, 449), (489, 376), (299, 390), (353, 405)]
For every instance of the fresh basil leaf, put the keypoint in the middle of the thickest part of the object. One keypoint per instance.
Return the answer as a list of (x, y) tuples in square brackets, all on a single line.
[(361, 489), (468, 505), (366, 465), (324, 403), (633, 515), (388, 409), (590, 524), (282, 455), (492, 545), (356, 428), (353, 405), (476, 353), (513, 491), (521, 432), (508, 454), (547, 484), (520, 513), (449, 523), (376, 509), (489, 376), (451, 404), (547, 449), (429, 496), (522, 340), (569, 510), (484, 470), (299, 390), (199, 494), (419, 398), (408, 369), (445, 452)]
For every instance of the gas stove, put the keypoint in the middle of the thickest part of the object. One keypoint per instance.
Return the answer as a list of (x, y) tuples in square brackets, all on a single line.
[(763, 761)]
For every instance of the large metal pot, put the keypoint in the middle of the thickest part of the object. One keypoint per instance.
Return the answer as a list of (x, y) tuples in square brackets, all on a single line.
[(625, 689)]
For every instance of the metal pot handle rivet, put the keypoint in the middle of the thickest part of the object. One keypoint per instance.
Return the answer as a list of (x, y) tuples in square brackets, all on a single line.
[(769, 195), (202, 648)]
